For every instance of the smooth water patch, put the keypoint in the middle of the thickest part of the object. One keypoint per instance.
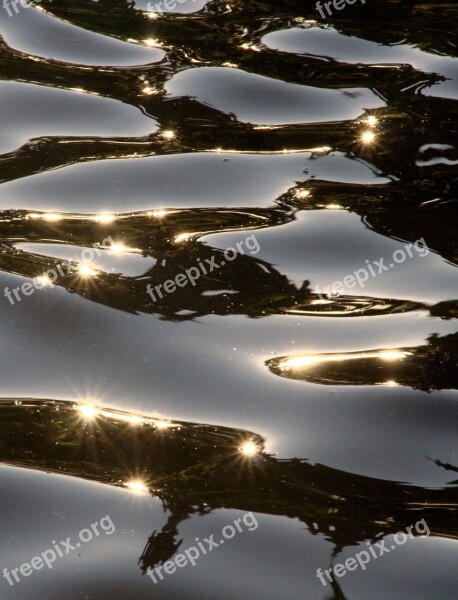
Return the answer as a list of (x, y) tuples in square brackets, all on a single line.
[(33, 111), (175, 181), (38, 33), (258, 99)]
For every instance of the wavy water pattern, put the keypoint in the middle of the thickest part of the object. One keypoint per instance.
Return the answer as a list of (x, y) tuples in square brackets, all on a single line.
[(151, 373)]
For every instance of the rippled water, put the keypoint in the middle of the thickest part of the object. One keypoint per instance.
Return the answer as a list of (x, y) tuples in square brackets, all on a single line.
[(308, 377)]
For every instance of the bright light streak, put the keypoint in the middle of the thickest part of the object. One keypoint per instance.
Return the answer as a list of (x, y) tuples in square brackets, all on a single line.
[(300, 362), (46, 216), (320, 149), (133, 419), (104, 218), (392, 354), (164, 425)]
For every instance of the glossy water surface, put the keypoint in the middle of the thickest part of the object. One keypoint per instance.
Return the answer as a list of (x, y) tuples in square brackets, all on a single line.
[(136, 146)]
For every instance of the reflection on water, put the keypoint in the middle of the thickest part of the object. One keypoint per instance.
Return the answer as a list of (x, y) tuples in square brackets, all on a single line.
[(137, 142), (196, 468), (429, 367), (247, 285)]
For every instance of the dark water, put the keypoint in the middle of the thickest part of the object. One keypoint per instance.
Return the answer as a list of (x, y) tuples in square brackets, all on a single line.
[(135, 149)]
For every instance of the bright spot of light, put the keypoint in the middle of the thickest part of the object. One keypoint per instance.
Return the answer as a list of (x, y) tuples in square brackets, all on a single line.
[(86, 271), (44, 280), (104, 218), (137, 487), (168, 135), (118, 247), (182, 237), (372, 121), (301, 194), (87, 411), (249, 449), (368, 137), (152, 15), (159, 213), (334, 206), (390, 383), (153, 43), (148, 90)]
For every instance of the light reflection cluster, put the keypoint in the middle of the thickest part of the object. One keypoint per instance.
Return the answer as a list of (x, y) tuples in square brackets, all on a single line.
[(369, 136), (90, 412)]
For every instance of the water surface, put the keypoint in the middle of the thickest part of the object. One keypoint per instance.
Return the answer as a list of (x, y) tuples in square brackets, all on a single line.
[(136, 146)]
